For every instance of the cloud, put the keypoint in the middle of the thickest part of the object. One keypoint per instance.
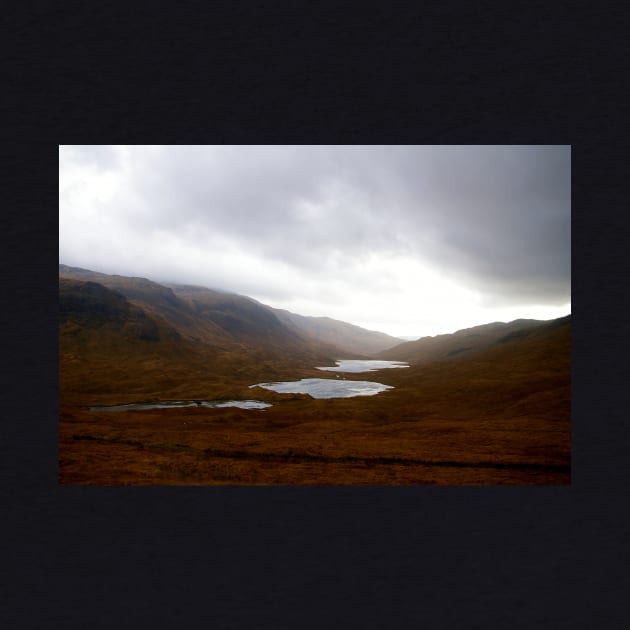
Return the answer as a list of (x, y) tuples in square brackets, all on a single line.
[(328, 225), (97, 156)]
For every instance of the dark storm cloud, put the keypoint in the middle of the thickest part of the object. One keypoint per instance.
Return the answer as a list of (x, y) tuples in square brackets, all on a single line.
[(496, 218)]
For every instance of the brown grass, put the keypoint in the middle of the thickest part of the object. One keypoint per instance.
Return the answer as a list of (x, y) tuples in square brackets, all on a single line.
[(502, 417)]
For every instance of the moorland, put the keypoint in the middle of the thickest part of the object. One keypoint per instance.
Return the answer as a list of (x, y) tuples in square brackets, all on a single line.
[(488, 405)]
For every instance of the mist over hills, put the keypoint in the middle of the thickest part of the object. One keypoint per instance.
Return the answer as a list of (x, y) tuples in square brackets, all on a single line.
[(225, 321), (349, 337), (221, 318)]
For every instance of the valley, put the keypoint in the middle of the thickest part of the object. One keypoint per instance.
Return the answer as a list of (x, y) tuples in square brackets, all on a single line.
[(489, 405)]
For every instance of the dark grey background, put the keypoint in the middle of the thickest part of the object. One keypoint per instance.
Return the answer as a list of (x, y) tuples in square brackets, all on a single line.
[(76, 557)]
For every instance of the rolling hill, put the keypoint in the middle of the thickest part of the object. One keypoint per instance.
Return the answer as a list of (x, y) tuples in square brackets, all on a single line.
[(469, 341)]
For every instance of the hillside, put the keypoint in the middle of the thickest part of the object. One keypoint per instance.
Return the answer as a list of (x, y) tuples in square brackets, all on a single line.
[(467, 342), (250, 322), (123, 338), (351, 339), (109, 345), (92, 305), (158, 300), (220, 318)]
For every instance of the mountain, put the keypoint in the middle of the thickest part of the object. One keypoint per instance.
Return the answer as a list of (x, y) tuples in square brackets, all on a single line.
[(468, 341), (221, 318), (157, 300), (352, 339), (92, 306)]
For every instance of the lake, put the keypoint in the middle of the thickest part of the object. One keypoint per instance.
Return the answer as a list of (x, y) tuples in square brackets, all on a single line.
[(358, 365), (326, 387), (168, 404), (338, 387)]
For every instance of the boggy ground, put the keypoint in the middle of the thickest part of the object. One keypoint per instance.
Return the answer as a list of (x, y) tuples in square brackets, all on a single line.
[(191, 446), (500, 418)]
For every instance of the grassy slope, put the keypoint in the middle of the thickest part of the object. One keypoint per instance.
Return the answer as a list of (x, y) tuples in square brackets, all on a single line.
[(250, 322), (466, 342)]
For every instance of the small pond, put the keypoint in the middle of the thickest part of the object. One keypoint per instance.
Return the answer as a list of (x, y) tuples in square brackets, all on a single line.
[(167, 404), (359, 365), (326, 387)]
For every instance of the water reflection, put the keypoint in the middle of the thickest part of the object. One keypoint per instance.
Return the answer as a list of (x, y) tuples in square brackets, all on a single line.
[(326, 387), (359, 365)]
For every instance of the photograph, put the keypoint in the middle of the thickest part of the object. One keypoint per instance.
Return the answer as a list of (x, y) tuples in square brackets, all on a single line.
[(314, 315)]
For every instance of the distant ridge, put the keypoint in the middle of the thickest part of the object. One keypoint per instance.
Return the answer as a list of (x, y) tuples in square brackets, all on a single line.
[(469, 341), (343, 335)]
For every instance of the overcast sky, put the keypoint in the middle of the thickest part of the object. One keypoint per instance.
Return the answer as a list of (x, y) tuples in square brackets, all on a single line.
[(407, 240)]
